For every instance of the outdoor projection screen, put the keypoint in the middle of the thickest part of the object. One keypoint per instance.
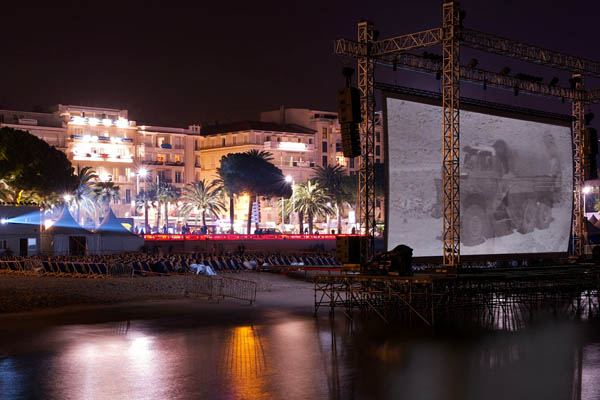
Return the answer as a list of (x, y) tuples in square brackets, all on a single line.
[(515, 188)]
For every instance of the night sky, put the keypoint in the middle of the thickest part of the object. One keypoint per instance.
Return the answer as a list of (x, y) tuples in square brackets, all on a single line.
[(222, 61)]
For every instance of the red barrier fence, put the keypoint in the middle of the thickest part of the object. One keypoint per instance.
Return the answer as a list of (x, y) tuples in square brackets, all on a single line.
[(239, 237)]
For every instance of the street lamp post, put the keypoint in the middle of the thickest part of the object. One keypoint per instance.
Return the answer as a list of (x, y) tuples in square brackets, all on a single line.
[(143, 173), (140, 172), (290, 179)]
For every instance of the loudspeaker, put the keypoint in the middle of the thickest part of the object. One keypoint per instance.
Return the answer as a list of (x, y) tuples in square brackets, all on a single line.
[(348, 105), (350, 140), (347, 249)]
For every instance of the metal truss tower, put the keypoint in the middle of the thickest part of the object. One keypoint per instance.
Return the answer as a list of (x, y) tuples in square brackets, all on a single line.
[(366, 180), (578, 228), (451, 135)]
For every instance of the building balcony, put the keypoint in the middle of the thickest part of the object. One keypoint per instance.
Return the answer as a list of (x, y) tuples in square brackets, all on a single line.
[(303, 164), (152, 162), (102, 157), (166, 163), (289, 146), (101, 139)]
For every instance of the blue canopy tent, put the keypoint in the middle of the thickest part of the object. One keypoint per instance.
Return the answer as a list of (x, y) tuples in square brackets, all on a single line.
[(67, 237), (115, 238)]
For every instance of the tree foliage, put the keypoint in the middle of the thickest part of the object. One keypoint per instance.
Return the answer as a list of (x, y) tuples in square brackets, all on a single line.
[(29, 164), (203, 198), (332, 180), (311, 200)]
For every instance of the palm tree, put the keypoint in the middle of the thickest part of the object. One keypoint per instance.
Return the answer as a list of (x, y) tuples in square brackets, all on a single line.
[(83, 195), (142, 201), (103, 193), (254, 174), (331, 179), (202, 197), (165, 192), (229, 184), (259, 178), (311, 200)]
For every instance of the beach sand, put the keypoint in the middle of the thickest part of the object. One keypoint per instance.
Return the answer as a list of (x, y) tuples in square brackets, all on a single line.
[(29, 301)]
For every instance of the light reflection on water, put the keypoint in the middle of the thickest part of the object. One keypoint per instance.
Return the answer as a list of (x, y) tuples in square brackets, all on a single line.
[(298, 358)]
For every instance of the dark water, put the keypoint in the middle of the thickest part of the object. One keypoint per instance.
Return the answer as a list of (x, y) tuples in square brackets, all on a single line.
[(298, 357)]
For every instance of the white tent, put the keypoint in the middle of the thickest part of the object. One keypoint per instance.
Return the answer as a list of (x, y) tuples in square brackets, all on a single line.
[(67, 237), (115, 238)]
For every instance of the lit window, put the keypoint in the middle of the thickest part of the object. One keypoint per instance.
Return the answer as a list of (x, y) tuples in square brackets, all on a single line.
[(324, 133)]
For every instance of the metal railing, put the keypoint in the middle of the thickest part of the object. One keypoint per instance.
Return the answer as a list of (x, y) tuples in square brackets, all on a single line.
[(219, 288)]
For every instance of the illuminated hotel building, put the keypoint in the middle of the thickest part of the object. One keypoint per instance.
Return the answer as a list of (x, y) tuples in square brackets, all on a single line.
[(106, 140), (328, 139)]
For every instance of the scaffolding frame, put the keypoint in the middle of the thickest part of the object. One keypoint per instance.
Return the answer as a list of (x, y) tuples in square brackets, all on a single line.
[(393, 52), (366, 179), (505, 300)]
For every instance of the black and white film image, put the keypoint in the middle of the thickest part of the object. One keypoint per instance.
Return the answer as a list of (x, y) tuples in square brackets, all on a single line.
[(516, 182)]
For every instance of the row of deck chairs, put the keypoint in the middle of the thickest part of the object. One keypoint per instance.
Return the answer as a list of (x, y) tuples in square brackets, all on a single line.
[(75, 269), (301, 260), (15, 267), (225, 264), (163, 267)]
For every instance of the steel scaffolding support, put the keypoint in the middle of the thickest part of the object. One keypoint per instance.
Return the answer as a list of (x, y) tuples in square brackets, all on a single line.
[(578, 227), (366, 86), (451, 132), (504, 299)]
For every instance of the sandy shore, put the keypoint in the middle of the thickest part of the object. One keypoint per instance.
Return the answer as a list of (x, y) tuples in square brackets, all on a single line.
[(21, 294)]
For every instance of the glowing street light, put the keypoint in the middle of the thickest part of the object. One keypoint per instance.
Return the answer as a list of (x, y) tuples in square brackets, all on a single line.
[(288, 178), (142, 172), (585, 190), (67, 197)]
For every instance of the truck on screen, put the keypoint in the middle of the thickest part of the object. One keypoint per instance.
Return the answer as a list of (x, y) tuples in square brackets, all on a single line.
[(503, 191)]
